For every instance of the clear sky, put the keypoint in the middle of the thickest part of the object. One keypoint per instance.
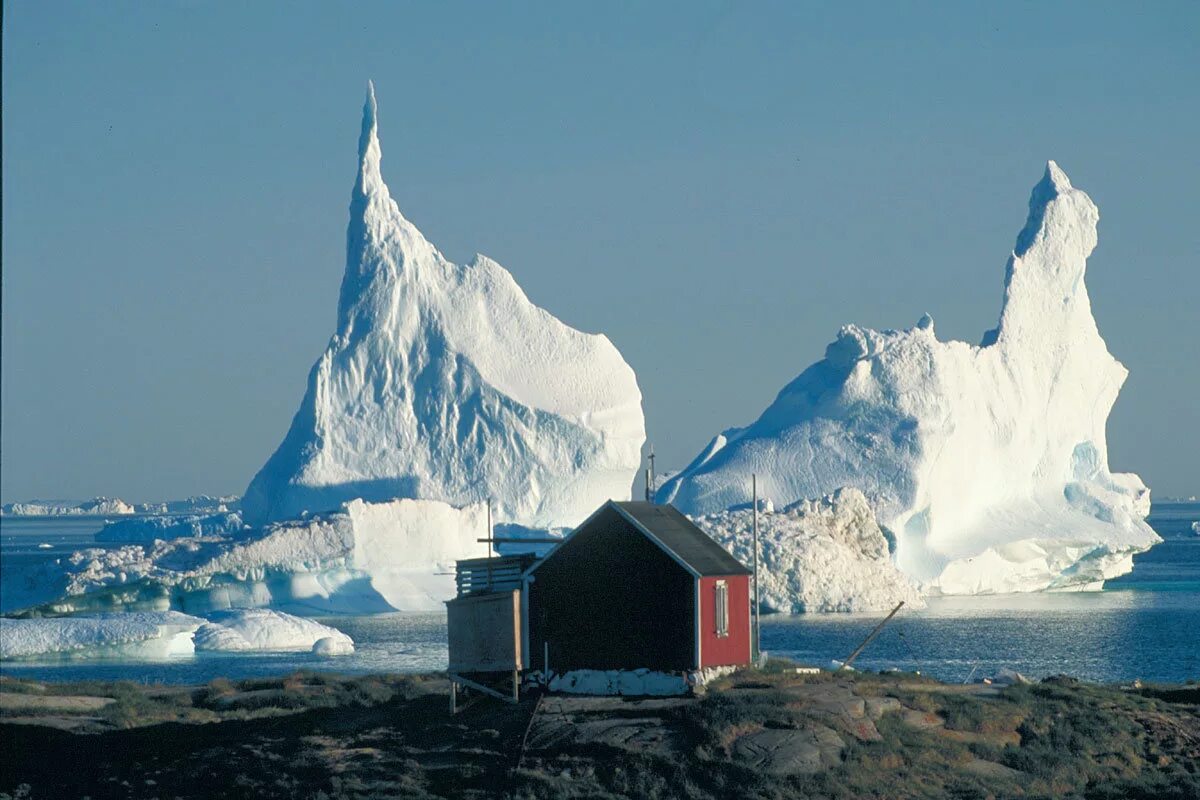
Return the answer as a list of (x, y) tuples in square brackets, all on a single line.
[(716, 186)]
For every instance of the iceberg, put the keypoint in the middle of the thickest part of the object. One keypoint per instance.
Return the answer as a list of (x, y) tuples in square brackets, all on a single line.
[(264, 630), (202, 504), (99, 506), (363, 558), (816, 555), (158, 635), (147, 529), (138, 636), (444, 382), (988, 463)]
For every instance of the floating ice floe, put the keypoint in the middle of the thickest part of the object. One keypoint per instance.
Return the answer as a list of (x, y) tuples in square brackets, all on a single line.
[(142, 636), (159, 635), (264, 630), (987, 462)]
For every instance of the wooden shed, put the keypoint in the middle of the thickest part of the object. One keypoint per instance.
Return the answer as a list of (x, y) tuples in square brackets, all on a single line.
[(637, 585), (484, 624)]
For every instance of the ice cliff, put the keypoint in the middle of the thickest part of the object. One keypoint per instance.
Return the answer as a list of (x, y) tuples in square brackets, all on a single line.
[(816, 555), (444, 382), (988, 462)]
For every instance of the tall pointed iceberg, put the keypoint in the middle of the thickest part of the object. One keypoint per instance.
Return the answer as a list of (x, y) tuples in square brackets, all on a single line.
[(988, 463), (444, 382)]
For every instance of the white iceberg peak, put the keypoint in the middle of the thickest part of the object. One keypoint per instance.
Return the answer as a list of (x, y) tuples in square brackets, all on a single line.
[(443, 382)]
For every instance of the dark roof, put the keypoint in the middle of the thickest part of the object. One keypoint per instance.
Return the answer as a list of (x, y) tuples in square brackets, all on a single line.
[(682, 538)]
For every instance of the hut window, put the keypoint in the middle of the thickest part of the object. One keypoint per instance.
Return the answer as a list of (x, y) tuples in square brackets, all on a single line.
[(721, 594)]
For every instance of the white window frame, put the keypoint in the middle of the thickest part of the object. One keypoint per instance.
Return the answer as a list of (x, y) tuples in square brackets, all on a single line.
[(721, 608)]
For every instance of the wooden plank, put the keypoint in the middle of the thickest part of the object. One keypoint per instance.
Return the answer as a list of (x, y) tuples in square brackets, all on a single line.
[(481, 688)]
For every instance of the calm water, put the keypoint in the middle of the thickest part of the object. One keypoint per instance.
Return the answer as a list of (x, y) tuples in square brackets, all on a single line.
[(1144, 625)]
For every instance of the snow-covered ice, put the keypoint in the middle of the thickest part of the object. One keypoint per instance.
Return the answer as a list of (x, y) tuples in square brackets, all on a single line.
[(987, 462), (147, 635), (444, 382), (266, 630), (820, 555)]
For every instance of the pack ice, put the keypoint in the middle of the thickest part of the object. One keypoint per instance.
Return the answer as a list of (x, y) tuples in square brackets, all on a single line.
[(988, 462), (444, 382)]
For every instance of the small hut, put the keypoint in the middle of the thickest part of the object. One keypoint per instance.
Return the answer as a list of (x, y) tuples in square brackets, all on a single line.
[(637, 586)]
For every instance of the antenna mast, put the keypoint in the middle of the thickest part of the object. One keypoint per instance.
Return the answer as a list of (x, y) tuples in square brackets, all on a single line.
[(757, 621)]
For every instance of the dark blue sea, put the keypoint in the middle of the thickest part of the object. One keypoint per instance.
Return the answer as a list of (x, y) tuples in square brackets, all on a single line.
[(1143, 625)]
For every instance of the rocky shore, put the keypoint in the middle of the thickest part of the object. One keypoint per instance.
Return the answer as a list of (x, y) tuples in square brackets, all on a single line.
[(770, 733)]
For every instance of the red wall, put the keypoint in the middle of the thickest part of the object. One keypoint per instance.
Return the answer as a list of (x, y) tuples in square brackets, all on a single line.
[(717, 651)]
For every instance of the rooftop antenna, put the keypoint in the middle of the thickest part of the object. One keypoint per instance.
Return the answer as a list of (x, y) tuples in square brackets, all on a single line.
[(757, 611), (650, 481)]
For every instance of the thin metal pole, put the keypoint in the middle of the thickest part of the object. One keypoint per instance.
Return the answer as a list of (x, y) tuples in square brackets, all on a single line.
[(757, 621), (489, 544), (647, 484)]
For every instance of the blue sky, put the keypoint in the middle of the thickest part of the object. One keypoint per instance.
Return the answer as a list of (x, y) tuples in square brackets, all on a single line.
[(716, 186)]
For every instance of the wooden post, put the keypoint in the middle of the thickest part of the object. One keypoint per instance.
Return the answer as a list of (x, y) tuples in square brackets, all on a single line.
[(516, 679), (871, 636)]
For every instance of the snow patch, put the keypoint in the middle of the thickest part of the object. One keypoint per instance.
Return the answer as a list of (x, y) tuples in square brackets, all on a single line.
[(630, 683)]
